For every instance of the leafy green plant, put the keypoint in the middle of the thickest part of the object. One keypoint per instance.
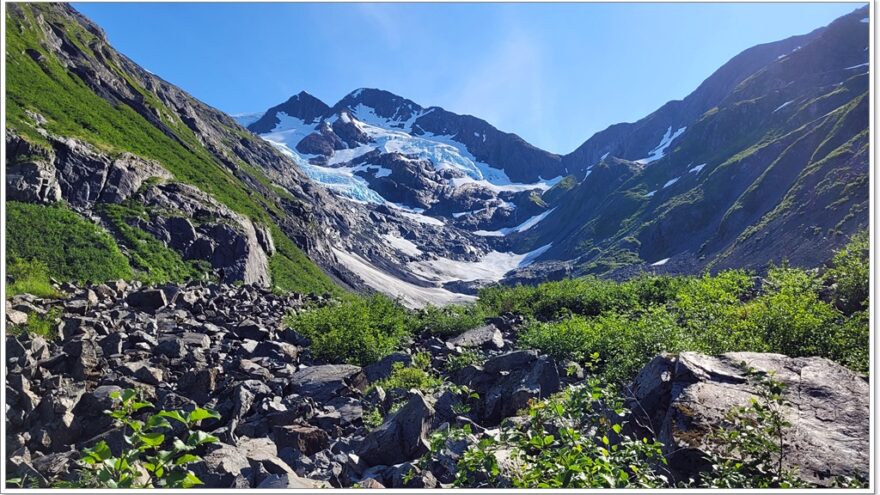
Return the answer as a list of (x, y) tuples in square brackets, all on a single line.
[(409, 377), (625, 342), (357, 330), (850, 270), (154, 458), (466, 358), (567, 443)]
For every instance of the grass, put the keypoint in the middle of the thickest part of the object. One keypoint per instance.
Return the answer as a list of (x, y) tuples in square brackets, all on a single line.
[(45, 326), (153, 261), (69, 246), (29, 277)]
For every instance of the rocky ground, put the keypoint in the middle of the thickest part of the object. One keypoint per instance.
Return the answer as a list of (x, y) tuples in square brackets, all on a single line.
[(287, 420)]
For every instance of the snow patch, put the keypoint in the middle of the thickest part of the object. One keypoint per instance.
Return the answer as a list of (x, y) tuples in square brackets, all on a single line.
[(670, 182), (651, 194), (605, 155), (780, 107), (660, 151), (531, 222), (405, 246), (856, 66), (660, 263), (411, 295), (866, 20), (697, 168), (289, 130)]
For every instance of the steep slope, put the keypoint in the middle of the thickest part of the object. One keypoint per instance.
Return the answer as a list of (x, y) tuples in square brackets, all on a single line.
[(766, 161), (172, 179)]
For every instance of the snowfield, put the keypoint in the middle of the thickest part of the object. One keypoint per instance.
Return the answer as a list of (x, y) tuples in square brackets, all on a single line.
[(491, 267), (411, 295)]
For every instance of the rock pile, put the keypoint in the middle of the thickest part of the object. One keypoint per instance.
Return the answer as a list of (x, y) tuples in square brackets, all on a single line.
[(286, 419), (290, 421)]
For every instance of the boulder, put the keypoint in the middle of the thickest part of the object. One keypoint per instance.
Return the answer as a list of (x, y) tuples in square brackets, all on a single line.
[(402, 437), (304, 438), (325, 382), (224, 467), (291, 480), (682, 400), (148, 300), (487, 337), (507, 383)]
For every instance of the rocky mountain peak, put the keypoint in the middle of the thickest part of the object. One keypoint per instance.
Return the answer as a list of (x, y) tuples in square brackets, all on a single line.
[(380, 103), (302, 106)]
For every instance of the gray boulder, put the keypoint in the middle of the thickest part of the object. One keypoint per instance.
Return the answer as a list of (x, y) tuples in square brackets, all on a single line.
[(327, 381), (681, 400), (507, 382), (402, 437), (487, 336)]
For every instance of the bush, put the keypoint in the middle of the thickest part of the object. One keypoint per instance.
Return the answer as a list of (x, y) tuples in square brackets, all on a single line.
[(567, 443), (623, 343), (71, 247), (358, 330), (29, 277), (408, 377), (451, 320), (587, 296), (711, 313), (789, 318), (850, 271)]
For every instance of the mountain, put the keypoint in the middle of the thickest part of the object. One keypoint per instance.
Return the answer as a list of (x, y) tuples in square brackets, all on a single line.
[(764, 162)]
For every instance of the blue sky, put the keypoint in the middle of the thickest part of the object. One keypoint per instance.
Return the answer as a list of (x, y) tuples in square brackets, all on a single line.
[(552, 73)]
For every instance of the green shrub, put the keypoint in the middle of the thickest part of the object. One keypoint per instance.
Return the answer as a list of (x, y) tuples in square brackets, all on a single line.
[(153, 457), (790, 319), (357, 330), (71, 247), (586, 296), (451, 320), (29, 277), (466, 358), (408, 377), (850, 271), (565, 444), (711, 313), (623, 343)]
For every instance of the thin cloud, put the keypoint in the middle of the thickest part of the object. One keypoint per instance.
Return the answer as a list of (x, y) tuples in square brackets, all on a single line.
[(507, 87)]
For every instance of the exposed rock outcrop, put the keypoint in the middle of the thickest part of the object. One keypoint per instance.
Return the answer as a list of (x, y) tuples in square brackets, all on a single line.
[(680, 400)]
